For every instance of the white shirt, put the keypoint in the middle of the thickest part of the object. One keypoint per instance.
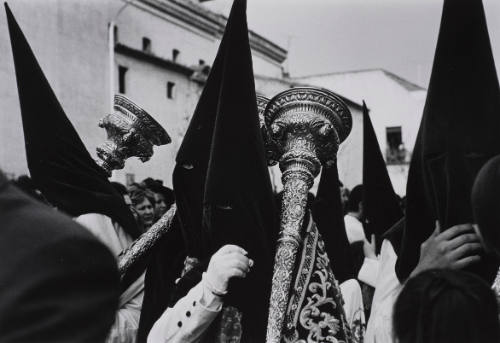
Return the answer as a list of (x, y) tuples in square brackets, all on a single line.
[(124, 330), (369, 271), (354, 229), (189, 319), (353, 306), (387, 288)]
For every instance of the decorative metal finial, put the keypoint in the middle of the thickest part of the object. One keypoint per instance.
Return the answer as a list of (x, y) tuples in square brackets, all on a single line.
[(131, 132), (262, 102), (306, 127)]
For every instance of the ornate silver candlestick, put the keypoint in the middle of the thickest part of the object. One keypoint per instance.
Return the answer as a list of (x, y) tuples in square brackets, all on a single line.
[(131, 132), (306, 127), (142, 245)]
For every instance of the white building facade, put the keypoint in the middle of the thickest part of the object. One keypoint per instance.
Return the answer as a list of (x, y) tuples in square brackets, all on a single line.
[(161, 53), (396, 107)]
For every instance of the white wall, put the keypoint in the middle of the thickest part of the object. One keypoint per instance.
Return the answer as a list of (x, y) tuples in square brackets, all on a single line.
[(70, 40), (390, 104)]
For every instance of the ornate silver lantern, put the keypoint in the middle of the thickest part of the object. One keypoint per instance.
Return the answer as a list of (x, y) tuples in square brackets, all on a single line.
[(131, 132)]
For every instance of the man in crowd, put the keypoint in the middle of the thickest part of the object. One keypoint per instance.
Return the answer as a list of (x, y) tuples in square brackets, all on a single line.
[(354, 217)]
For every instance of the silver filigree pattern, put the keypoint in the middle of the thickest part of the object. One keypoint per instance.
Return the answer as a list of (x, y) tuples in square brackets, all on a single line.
[(496, 284), (496, 288), (189, 264), (131, 132), (262, 102), (306, 126), (294, 207), (315, 313), (320, 108), (137, 250), (229, 328)]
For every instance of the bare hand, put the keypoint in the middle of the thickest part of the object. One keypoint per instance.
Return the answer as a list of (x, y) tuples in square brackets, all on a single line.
[(228, 262), (456, 248), (369, 248)]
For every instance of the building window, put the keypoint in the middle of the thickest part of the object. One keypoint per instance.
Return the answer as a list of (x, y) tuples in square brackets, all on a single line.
[(395, 151), (129, 179), (122, 73), (175, 55), (170, 90), (146, 44)]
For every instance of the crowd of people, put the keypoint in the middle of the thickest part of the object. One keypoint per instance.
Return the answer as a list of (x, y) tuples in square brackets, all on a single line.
[(440, 302), (363, 264)]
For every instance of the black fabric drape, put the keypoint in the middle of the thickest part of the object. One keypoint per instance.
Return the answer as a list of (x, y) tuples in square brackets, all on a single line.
[(458, 133), (164, 267), (58, 161), (380, 204), (329, 218), (395, 235)]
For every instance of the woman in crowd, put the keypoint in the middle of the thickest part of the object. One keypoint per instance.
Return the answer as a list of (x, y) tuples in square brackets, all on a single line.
[(143, 201), (164, 196)]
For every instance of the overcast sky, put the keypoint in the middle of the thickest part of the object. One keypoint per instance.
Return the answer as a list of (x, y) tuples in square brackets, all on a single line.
[(338, 35)]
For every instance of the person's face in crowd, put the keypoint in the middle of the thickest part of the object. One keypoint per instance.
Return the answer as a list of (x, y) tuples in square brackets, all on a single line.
[(146, 211), (160, 205)]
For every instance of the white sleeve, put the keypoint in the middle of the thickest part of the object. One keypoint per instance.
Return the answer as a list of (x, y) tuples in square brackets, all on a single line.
[(353, 304), (379, 326), (369, 271), (188, 320), (124, 329)]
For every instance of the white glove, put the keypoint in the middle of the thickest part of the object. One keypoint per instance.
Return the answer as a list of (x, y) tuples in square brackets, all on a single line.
[(230, 261)]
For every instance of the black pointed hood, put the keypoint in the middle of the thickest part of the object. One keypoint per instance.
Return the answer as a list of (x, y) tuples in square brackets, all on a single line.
[(458, 132), (380, 203), (329, 217), (58, 161), (221, 180)]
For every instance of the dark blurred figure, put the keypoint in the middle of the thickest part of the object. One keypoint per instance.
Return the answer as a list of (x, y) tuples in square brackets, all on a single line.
[(446, 306), (57, 282), (25, 183), (143, 202), (164, 196), (486, 206)]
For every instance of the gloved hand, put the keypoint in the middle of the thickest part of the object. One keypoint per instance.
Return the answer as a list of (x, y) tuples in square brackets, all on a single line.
[(228, 262)]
